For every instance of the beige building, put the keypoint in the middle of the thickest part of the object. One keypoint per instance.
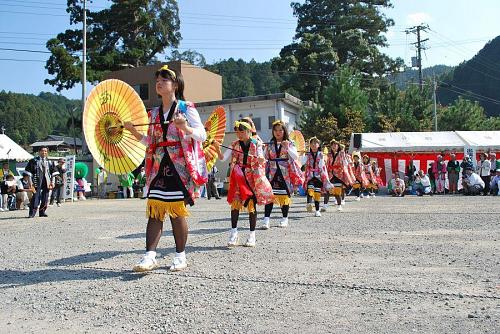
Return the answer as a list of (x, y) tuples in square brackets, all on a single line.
[(200, 85)]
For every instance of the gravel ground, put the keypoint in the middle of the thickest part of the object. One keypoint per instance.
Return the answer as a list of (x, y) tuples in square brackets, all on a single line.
[(384, 265)]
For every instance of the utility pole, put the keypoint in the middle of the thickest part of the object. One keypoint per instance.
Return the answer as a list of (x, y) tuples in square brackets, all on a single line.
[(416, 30), (435, 105), (84, 67)]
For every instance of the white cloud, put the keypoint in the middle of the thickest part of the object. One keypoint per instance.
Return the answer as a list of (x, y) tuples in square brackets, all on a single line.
[(417, 18)]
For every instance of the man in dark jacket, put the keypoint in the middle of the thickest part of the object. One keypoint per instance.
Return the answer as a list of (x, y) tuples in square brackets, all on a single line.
[(41, 169)]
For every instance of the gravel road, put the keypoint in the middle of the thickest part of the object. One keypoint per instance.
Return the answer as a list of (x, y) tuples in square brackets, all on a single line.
[(383, 265)]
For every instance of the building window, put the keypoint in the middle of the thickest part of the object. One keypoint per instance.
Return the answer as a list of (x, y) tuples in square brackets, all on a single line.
[(271, 121), (256, 121), (142, 90)]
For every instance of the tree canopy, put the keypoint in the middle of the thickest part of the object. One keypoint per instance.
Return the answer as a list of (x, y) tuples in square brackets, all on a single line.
[(128, 33), (334, 33)]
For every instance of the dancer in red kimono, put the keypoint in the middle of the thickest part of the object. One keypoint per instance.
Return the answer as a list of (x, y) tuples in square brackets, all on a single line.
[(361, 181), (337, 166), (175, 166), (282, 170), (248, 185), (316, 176)]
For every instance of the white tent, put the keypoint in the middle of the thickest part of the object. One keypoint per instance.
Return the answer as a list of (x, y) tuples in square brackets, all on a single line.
[(409, 142), (9, 150), (481, 140)]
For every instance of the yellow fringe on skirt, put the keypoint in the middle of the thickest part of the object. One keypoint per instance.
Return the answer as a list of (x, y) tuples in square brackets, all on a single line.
[(315, 195), (158, 209), (336, 191), (282, 200), (238, 205)]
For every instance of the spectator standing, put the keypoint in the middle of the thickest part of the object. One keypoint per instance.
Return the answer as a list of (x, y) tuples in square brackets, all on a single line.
[(58, 177), (211, 188), (411, 170), (431, 177), (465, 164), (41, 169), (439, 171), (483, 170), (102, 182), (473, 184), (453, 174), (140, 182), (126, 182)]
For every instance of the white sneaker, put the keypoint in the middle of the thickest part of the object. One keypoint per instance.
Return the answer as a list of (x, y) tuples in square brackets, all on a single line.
[(82, 198), (317, 214), (362, 196), (2, 210), (357, 199), (233, 239), (147, 263), (324, 207), (58, 205), (178, 264), (309, 207), (372, 195), (250, 241), (339, 208), (265, 223), (343, 202), (284, 222)]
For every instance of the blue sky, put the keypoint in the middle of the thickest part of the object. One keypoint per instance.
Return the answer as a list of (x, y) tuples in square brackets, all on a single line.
[(256, 29)]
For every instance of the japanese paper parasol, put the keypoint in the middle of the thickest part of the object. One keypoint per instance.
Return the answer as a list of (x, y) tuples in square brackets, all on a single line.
[(216, 129), (298, 140), (109, 105)]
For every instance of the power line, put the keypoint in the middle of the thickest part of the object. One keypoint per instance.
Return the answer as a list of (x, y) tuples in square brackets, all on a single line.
[(22, 60), (470, 93)]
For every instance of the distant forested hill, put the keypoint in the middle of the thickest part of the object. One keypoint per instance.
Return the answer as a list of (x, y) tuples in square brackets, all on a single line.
[(476, 79), (28, 118)]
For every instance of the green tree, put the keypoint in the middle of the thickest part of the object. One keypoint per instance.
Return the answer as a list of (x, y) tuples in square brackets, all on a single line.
[(333, 33), (403, 110), (128, 33), (190, 56), (346, 106), (240, 78), (465, 115)]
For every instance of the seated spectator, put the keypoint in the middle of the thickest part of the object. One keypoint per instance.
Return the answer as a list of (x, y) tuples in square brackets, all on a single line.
[(495, 184), (473, 184), (422, 184), (399, 187), (11, 188), (25, 191)]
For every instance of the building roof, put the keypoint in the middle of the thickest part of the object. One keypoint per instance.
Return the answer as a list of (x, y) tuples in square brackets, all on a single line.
[(67, 140), (9, 150), (278, 96), (47, 143)]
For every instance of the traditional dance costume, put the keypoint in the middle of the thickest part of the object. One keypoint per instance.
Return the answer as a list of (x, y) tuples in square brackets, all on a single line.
[(175, 164), (283, 172), (248, 185), (337, 166), (361, 181), (316, 179)]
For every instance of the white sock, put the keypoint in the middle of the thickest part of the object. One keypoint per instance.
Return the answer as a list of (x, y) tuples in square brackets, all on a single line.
[(181, 255), (266, 219), (252, 235), (151, 254), (234, 230)]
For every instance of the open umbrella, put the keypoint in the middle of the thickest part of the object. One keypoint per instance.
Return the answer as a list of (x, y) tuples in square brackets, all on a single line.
[(109, 105), (298, 140), (216, 129)]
